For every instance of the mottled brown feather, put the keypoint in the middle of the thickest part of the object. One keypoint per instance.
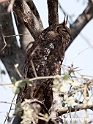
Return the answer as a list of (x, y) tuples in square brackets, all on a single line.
[(47, 54)]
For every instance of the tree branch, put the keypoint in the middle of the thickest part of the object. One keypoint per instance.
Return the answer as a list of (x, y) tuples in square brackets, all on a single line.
[(34, 10), (23, 11), (76, 108), (81, 21), (26, 38), (52, 11), (23, 30)]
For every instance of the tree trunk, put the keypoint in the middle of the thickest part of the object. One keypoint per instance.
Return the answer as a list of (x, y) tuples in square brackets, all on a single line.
[(11, 54)]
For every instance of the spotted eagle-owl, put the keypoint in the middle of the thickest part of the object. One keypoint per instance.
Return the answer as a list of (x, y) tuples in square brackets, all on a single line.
[(46, 54)]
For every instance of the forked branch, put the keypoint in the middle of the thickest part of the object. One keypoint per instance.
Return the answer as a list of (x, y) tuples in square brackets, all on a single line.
[(23, 12), (34, 10)]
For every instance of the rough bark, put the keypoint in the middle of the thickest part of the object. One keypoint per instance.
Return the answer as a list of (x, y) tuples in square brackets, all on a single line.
[(34, 10), (11, 54), (23, 11), (27, 38), (52, 11)]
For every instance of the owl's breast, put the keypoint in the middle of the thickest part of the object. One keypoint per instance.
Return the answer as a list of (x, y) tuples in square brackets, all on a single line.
[(47, 57)]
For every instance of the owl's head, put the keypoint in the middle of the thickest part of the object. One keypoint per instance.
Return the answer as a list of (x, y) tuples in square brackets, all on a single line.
[(64, 32), (63, 29)]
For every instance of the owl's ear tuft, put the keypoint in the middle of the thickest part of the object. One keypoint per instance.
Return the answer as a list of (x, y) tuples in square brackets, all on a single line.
[(65, 20)]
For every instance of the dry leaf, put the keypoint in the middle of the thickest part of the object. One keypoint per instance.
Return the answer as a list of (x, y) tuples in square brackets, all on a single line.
[(63, 88), (74, 83), (70, 100)]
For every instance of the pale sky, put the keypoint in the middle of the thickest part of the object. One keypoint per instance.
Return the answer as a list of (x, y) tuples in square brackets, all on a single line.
[(84, 60)]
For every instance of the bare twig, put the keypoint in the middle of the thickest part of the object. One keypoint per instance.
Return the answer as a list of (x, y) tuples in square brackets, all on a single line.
[(45, 77), (5, 44), (81, 52), (9, 109), (8, 102), (33, 67), (17, 70), (65, 13), (15, 35), (37, 78), (6, 84), (62, 9), (32, 79)]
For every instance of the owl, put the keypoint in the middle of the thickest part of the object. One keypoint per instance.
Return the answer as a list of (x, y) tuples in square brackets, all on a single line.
[(45, 58)]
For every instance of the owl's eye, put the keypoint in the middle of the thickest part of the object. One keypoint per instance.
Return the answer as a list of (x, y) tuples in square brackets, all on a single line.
[(64, 30), (59, 29)]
